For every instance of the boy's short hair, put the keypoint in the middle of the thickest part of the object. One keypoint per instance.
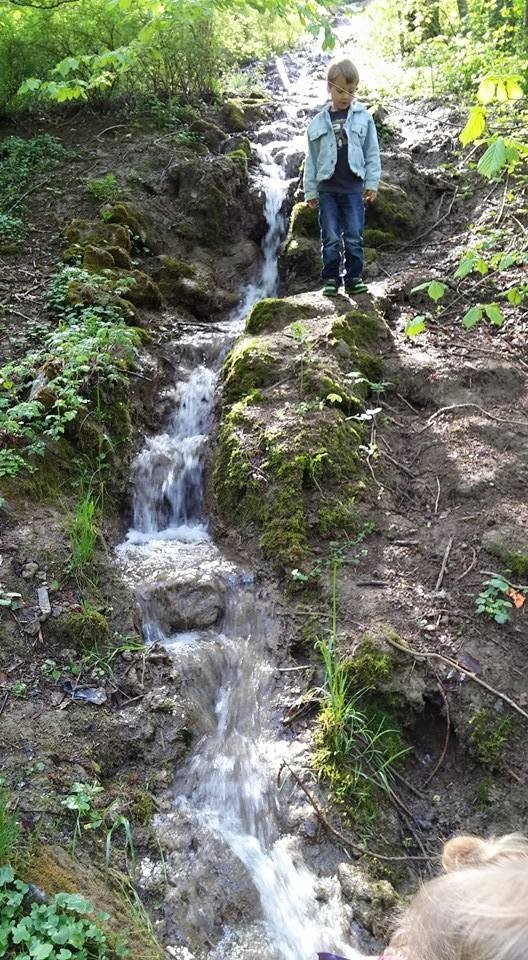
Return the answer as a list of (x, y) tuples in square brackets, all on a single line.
[(345, 69)]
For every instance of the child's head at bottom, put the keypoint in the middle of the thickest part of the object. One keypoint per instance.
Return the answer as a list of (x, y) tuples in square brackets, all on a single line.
[(478, 910)]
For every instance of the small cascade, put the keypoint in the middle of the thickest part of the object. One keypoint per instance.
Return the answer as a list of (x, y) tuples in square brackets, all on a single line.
[(227, 821)]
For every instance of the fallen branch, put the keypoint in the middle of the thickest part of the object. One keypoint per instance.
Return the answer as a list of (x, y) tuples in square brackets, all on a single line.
[(347, 841), (455, 665), (446, 742), (473, 406), (443, 568), (471, 567)]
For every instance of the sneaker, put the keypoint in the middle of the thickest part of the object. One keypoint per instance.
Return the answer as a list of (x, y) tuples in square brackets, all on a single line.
[(331, 288), (357, 285)]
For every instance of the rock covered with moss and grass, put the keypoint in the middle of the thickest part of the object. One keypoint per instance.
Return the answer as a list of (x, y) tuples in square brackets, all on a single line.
[(289, 465)]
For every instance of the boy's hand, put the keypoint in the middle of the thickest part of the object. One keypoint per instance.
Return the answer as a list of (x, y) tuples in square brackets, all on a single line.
[(313, 204), (370, 196)]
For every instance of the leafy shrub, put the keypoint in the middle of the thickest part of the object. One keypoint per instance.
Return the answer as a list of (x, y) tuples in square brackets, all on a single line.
[(61, 930), (21, 160), (12, 230), (93, 346)]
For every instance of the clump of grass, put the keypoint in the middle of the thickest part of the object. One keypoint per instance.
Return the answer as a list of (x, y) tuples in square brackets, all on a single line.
[(357, 744), (83, 532)]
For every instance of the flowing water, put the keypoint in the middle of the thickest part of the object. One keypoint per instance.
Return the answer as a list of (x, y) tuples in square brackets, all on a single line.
[(238, 883)]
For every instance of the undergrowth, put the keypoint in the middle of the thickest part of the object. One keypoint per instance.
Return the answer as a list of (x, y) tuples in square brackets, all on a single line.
[(357, 743)]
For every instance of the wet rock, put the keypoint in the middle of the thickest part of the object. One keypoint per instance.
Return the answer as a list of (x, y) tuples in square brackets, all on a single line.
[(304, 222), (178, 603), (234, 116), (372, 900), (211, 133)]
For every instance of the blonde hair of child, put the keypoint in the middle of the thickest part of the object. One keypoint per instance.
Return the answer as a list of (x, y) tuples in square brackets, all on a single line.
[(345, 69), (477, 911)]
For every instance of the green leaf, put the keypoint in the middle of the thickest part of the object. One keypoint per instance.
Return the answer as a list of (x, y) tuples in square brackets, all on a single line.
[(421, 286), (415, 326), (66, 66), (466, 266), (6, 875), (515, 296), (502, 93), (514, 89), (486, 90), (481, 267), (494, 158), (436, 290), (475, 126), (74, 901), (507, 260), (494, 313), (40, 950), (472, 316)]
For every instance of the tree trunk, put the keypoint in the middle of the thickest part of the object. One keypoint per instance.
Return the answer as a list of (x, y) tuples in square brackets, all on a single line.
[(463, 8)]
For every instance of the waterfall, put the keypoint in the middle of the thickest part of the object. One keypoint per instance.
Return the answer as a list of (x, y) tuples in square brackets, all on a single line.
[(226, 806)]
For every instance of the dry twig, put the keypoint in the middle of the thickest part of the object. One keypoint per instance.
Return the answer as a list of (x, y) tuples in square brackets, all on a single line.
[(474, 406), (471, 567), (443, 568)]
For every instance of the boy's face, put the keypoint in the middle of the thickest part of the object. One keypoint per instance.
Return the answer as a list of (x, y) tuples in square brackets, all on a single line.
[(341, 92)]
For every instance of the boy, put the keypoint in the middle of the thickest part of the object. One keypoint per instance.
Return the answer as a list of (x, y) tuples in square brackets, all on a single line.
[(342, 165)]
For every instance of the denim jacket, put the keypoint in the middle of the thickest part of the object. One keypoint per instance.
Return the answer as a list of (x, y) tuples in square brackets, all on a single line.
[(363, 149)]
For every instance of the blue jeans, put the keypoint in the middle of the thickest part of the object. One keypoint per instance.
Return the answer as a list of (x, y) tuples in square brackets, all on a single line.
[(341, 217)]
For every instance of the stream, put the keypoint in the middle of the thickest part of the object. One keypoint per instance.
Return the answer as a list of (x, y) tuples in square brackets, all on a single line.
[(237, 881)]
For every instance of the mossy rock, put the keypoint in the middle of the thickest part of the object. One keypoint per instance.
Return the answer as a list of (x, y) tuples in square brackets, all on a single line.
[(510, 544), (181, 283), (96, 259), (142, 291), (375, 237), (83, 294), (393, 211), (358, 329), (275, 314), (121, 258), (234, 116), (86, 629), (248, 366), (304, 222), (301, 257), (370, 254), (211, 133), (253, 112), (127, 215), (99, 234), (239, 157)]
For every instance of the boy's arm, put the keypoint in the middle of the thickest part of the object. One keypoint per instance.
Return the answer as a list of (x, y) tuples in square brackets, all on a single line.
[(309, 179), (372, 157)]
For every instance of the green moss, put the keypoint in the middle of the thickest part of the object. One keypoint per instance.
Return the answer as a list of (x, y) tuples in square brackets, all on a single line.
[(302, 258), (140, 289), (239, 157), (248, 366), (127, 215), (357, 329), (211, 133), (234, 116), (369, 667), (393, 211), (84, 630), (143, 808), (370, 254), (121, 258), (489, 737), (235, 488), (518, 563), (274, 314), (304, 222), (376, 237), (284, 538), (338, 516), (96, 259), (98, 234)]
